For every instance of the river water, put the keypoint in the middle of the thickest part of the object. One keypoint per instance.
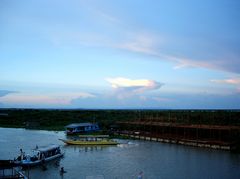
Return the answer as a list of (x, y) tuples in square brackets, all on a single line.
[(153, 160)]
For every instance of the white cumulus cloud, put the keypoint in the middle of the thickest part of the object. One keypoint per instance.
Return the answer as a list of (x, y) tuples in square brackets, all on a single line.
[(125, 87)]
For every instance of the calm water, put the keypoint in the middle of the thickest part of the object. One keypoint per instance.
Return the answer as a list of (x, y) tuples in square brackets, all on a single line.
[(125, 161)]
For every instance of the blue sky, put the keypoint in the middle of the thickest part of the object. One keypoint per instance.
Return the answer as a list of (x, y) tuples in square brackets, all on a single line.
[(120, 54)]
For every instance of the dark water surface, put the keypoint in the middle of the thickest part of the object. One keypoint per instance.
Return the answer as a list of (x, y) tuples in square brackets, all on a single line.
[(155, 160)]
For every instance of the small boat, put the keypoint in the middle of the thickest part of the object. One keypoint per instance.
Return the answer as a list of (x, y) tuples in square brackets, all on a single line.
[(90, 140), (40, 156)]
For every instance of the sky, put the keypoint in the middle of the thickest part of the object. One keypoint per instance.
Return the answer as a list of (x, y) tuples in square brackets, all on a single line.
[(120, 54)]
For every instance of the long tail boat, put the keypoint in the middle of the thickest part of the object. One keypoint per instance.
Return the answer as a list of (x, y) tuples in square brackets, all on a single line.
[(90, 140)]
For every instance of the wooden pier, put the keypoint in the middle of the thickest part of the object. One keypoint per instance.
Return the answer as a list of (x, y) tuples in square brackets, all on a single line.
[(10, 170), (198, 135)]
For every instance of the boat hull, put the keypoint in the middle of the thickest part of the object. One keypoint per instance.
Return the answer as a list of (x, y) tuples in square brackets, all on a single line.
[(78, 142)]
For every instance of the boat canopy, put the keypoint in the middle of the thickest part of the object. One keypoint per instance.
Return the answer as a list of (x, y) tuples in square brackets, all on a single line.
[(47, 148)]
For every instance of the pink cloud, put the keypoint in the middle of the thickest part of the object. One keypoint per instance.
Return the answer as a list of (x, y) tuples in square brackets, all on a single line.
[(44, 99), (233, 81)]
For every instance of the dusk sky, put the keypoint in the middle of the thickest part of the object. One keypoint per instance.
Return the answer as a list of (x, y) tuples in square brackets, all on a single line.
[(145, 54)]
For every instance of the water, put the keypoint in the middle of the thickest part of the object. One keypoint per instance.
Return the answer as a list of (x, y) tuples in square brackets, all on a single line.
[(155, 160)]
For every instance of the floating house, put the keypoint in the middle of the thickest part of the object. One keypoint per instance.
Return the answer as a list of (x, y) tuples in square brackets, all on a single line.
[(78, 128)]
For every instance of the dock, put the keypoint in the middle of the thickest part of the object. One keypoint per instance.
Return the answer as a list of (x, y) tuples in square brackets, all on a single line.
[(224, 137), (10, 170)]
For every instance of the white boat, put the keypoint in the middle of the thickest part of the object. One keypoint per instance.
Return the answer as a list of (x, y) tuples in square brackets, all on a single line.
[(40, 156)]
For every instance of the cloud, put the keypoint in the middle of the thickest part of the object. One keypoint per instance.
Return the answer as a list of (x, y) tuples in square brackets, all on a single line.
[(107, 17), (142, 43), (167, 48), (235, 82), (6, 92), (124, 82), (108, 28), (140, 85), (238, 90), (184, 63), (232, 81), (151, 45), (124, 88), (44, 99), (158, 47), (160, 99), (146, 43), (217, 51)]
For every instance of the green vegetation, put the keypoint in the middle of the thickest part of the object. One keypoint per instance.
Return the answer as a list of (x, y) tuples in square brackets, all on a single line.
[(57, 119)]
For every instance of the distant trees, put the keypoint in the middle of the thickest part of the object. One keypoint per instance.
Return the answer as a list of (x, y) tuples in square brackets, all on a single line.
[(57, 119)]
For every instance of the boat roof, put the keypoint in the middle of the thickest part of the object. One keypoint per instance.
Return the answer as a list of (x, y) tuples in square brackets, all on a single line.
[(73, 125), (47, 148)]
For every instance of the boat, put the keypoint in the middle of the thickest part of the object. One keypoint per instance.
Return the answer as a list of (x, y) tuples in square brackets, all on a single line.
[(40, 156), (90, 140), (81, 128)]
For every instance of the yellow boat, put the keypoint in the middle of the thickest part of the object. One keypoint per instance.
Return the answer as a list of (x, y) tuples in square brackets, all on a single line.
[(90, 140)]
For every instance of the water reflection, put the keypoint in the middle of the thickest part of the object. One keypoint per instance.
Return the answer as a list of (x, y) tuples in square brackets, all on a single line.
[(85, 148)]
